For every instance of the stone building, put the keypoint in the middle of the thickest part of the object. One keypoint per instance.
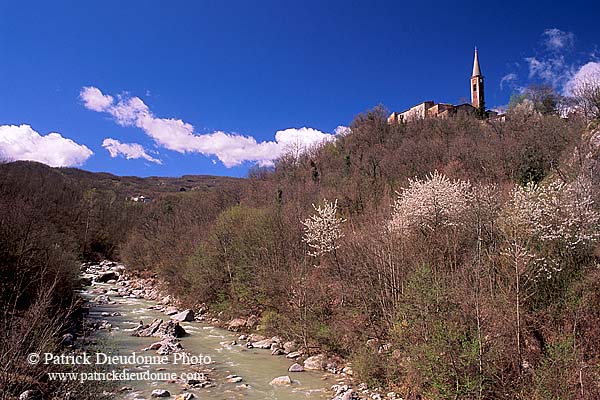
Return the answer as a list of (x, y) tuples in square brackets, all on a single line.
[(429, 109)]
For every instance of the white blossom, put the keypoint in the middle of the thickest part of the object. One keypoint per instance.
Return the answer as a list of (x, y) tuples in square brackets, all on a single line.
[(431, 203), (322, 230), (553, 217)]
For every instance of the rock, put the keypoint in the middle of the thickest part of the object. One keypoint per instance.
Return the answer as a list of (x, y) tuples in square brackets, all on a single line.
[(277, 351), (281, 380), (160, 393), (293, 354), (159, 328), (242, 337), (315, 363), (154, 346), (296, 368), (185, 396), (254, 337), (102, 299), (31, 395), (235, 379), (348, 371), (83, 281), (289, 347), (263, 344), (168, 346), (107, 276), (67, 340), (236, 324), (184, 316), (171, 310), (105, 325), (344, 393)]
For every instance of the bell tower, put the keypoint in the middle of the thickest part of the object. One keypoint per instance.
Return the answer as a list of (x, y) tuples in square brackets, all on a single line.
[(477, 99)]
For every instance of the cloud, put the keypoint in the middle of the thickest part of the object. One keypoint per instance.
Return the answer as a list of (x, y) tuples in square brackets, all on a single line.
[(586, 73), (508, 79), (554, 63), (176, 135), (94, 99), (127, 150), (556, 40), (554, 71), (24, 143)]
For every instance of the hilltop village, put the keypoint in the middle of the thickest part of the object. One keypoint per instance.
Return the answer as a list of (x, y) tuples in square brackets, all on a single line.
[(428, 109)]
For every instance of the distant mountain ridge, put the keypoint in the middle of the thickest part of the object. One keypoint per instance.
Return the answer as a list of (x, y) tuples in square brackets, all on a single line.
[(125, 185)]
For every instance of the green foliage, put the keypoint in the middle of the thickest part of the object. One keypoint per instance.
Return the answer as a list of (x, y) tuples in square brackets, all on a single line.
[(369, 367), (554, 377)]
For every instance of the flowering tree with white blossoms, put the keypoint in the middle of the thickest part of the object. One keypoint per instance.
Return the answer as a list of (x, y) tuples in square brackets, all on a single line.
[(322, 230), (543, 224), (431, 203), (552, 218)]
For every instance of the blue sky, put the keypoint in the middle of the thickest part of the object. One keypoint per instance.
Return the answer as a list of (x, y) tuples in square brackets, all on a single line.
[(214, 87)]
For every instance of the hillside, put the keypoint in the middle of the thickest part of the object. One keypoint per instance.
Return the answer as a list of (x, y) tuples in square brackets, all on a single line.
[(124, 185)]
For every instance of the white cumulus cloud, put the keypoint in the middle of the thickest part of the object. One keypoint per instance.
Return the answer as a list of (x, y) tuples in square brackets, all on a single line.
[(95, 100), (174, 134), (127, 150), (23, 143)]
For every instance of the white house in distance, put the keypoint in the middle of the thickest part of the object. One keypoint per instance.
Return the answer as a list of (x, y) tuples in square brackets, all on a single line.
[(140, 199)]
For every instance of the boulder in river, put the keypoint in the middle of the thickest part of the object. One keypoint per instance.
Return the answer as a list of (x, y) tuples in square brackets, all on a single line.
[(171, 310), (296, 368), (102, 299), (160, 393), (235, 379), (107, 276), (315, 363), (84, 281), (184, 316), (186, 396), (159, 328), (281, 380), (263, 344)]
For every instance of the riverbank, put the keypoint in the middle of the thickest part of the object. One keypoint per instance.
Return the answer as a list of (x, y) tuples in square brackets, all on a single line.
[(109, 284)]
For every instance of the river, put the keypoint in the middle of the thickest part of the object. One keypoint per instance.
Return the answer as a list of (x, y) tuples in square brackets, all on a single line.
[(256, 367)]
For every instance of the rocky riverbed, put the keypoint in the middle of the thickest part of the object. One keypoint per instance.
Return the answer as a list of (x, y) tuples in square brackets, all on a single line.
[(244, 363)]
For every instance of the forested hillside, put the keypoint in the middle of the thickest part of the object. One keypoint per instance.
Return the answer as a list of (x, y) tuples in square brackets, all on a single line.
[(444, 258)]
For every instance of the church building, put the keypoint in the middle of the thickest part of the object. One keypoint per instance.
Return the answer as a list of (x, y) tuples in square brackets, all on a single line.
[(429, 109)]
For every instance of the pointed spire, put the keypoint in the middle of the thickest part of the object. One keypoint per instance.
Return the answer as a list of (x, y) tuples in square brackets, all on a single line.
[(476, 70)]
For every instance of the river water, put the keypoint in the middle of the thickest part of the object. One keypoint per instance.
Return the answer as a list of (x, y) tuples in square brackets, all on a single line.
[(257, 367)]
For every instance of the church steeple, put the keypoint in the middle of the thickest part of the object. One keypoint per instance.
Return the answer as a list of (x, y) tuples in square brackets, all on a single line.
[(477, 99), (476, 70)]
